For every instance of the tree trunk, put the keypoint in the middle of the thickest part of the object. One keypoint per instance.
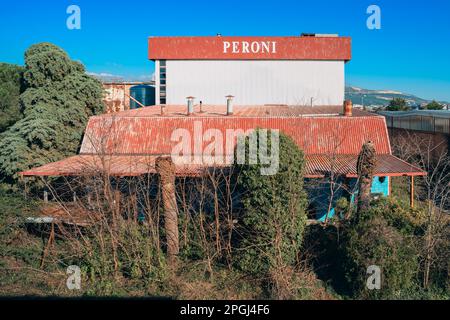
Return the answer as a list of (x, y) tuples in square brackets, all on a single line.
[(166, 169), (365, 168)]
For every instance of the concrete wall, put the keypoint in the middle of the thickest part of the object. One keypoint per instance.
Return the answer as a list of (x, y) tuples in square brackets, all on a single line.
[(291, 82)]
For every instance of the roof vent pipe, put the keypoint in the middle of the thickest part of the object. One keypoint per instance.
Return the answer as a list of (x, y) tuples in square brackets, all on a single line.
[(348, 106), (229, 104), (190, 105)]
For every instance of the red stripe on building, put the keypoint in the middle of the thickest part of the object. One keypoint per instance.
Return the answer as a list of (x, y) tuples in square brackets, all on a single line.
[(249, 48)]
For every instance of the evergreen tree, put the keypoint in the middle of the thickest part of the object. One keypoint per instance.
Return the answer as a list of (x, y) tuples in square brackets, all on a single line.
[(434, 105), (397, 104), (58, 100), (274, 216), (10, 90)]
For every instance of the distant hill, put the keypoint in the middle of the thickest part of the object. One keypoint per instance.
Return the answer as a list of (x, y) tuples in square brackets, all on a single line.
[(381, 97), (107, 77)]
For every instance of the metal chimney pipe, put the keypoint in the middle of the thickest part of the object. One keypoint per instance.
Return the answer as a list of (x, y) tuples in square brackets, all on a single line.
[(229, 104), (348, 106), (190, 105)]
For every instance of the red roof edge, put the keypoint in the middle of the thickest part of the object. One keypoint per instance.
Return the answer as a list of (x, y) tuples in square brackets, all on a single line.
[(249, 48)]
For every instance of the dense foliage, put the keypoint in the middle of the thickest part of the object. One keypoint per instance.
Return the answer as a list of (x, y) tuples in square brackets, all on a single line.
[(58, 99), (10, 90), (382, 236), (274, 211), (397, 104), (433, 105)]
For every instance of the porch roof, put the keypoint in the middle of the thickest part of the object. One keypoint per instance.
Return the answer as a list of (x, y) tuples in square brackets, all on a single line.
[(317, 166)]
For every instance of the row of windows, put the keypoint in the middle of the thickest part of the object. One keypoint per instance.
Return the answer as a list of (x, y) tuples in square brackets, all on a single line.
[(162, 81)]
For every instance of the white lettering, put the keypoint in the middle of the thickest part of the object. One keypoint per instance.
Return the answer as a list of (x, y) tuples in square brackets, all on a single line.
[(226, 45), (74, 280), (265, 47), (245, 45), (250, 47), (255, 47), (235, 47), (74, 20), (374, 279), (374, 20)]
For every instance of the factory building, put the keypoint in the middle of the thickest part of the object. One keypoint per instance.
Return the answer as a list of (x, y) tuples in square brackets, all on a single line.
[(305, 70), (291, 84)]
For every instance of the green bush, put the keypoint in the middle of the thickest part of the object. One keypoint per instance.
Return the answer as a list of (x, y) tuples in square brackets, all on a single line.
[(380, 237), (273, 218), (397, 104)]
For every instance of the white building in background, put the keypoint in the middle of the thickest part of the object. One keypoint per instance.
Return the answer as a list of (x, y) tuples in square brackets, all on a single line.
[(298, 70)]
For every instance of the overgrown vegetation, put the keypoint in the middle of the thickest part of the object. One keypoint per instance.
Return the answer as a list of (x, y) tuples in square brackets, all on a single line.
[(381, 237), (273, 216), (119, 243), (11, 86), (242, 234), (57, 100)]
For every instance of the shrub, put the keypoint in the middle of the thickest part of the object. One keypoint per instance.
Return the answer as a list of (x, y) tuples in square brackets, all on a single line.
[(380, 237), (273, 218)]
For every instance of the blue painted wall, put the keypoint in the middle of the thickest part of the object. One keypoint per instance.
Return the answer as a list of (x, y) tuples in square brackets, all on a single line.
[(319, 194)]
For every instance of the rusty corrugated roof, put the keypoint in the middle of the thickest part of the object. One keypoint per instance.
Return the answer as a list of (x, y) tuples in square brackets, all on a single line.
[(145, 132), (127, 143), (269, 110), (113, 165), (319, 165)]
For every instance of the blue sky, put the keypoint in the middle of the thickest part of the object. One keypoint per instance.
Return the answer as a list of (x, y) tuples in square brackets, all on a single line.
[(411, 52)]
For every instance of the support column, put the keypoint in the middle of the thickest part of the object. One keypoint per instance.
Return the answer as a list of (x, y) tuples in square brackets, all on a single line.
[(166, 170), (411, 192)]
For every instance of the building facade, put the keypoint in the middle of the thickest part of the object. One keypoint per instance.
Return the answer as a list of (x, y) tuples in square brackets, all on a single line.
[(297, 70)]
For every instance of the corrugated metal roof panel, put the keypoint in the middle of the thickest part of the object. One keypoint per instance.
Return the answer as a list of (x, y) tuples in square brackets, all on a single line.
[(316, 166), (127, 143), (152, 134), (387, 165)]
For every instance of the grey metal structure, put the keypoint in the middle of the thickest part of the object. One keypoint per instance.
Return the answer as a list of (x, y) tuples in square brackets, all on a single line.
[(436, 121)]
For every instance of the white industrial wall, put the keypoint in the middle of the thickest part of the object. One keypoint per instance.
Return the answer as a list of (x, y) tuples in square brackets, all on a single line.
[(253, 82)]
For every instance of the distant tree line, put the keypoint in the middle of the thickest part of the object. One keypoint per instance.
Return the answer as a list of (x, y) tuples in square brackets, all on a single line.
[(399, 104)]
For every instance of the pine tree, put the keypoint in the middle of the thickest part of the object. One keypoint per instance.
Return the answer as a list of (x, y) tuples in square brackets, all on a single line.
[(10, 89)]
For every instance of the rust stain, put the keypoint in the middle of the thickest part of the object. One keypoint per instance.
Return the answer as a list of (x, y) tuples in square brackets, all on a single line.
[(287, 48), (127, 143)]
